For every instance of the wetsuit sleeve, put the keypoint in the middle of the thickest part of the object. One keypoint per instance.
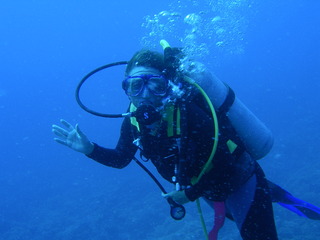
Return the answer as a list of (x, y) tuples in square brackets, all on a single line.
[(122, 155)]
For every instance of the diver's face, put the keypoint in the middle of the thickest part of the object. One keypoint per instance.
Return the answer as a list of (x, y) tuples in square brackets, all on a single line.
[(146, 95)]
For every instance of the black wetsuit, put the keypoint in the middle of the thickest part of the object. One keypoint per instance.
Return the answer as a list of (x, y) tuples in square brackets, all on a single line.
[(230, 172)]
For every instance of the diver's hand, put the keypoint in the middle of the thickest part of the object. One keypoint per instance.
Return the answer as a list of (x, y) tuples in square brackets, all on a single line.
[(177, 196), (72, 137)]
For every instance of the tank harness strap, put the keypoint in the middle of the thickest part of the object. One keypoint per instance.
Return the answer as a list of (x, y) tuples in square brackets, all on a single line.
[(177, 122), (172, 117), (224, 108), (235, 149)]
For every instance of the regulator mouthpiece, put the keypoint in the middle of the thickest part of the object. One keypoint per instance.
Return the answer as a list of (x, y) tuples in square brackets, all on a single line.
[(146, 114)]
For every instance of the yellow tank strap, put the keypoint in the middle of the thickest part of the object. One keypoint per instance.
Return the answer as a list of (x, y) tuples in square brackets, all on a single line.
[(169, 118), (133, 120), (178, 130), (172, 117)]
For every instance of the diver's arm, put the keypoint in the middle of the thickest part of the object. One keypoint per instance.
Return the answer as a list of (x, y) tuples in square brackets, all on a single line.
[(122, 155), (196, 191)]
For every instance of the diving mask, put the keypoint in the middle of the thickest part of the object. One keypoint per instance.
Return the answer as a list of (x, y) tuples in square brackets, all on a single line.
[(156, 84)]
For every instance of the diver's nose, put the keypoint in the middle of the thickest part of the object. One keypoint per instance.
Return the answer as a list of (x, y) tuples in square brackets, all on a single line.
[(145, 93)]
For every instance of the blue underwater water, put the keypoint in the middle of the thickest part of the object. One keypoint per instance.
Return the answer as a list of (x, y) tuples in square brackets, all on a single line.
[(268, 51)]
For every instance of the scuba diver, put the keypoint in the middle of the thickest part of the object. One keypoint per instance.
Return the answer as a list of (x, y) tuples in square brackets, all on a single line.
[(206, 143)]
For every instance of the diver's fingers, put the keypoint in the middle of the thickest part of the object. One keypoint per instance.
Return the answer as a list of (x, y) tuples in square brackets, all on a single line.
[(58, 140), (166, 195), (68, 125), (60, 132)]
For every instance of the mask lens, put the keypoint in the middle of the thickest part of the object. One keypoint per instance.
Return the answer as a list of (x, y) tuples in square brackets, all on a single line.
[(158, 85), (133, 85)]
